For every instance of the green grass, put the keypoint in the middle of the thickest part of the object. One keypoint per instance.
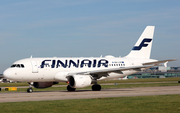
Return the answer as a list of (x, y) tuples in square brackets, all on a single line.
[(103, 87), (141, 104), (13, 84), (141, 80), (141, 83), (23, 84), (104, 81)]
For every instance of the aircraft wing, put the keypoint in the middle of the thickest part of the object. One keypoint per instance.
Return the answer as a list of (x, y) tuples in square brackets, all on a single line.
[(104, 72), (118, 70), (156, 63)]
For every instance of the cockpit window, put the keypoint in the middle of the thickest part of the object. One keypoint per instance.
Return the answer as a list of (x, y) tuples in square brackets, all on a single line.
[(14, 65), (17, 65), (22, 65)]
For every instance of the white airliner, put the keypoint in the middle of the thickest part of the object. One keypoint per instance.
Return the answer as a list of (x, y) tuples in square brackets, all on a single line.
[(82, 72)]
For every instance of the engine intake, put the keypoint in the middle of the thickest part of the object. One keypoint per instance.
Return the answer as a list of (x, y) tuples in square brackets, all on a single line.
[(79, 81)]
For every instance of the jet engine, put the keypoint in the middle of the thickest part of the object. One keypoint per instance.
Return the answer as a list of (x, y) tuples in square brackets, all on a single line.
[(79, 81), (43, 84)]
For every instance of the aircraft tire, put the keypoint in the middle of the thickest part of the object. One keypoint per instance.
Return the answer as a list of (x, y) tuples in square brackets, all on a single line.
[(69, 88), (29, 90), (96, 87)]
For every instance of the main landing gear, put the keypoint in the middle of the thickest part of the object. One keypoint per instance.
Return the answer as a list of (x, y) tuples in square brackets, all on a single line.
[(30, 90), (96, 87)]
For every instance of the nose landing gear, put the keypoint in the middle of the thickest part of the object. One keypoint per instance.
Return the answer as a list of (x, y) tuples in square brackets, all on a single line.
[(30, 90)]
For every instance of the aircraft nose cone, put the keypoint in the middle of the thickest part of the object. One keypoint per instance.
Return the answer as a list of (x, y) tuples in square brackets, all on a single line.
[(7, 73)]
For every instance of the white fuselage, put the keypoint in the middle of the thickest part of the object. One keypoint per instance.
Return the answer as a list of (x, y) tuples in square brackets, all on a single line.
[(82, 72), (57, 69), (76, 70)]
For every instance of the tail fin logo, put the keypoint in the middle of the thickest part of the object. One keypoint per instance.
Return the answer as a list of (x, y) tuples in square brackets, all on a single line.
[(142, 44)]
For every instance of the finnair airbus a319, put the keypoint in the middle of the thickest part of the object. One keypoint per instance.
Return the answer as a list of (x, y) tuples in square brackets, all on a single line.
[(82, 72)]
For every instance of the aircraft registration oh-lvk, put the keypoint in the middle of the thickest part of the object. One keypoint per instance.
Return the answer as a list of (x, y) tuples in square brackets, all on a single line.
[(82, 72)]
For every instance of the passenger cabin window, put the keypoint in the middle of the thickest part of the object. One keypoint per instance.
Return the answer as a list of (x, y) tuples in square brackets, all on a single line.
[(17, 66), (22, 65)]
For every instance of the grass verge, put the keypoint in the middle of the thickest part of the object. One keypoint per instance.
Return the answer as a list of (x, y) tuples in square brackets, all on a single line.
[(103, 81), (103, 87), (141, 80), (141, 104)]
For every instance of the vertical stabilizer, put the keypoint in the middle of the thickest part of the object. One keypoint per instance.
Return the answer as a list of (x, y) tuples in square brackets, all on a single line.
[(142, 48)]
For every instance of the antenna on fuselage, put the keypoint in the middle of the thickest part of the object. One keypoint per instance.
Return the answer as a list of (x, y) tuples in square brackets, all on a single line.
[(31, 56)]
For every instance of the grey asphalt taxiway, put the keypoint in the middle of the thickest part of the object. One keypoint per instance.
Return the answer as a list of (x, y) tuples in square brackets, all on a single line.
[(84, 94)]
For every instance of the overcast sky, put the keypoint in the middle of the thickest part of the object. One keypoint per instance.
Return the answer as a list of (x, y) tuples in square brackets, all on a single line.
[(86, 28)]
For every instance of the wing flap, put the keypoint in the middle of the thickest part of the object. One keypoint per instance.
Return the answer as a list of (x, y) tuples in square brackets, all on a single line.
[(156, 63), (115, 70), (120, 70), (105, 72)]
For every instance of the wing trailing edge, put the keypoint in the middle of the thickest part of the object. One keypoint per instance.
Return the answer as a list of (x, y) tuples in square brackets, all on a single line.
[(156, 63)]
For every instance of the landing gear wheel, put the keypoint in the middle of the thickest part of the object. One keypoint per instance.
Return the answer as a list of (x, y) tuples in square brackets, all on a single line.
[(96, 87), (69, 88), (29, 90)]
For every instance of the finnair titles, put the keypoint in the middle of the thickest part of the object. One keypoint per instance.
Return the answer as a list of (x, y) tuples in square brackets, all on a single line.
[(75, 63), (82, 72), (80, 63)]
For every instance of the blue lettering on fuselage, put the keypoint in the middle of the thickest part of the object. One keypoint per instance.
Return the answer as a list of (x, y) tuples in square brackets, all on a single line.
[(71, 63), (103, 62), (60, 63), (44, 64), (84, 62)]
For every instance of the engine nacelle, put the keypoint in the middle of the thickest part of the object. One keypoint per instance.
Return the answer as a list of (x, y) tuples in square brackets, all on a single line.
[(43, 84), (79, 81)]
